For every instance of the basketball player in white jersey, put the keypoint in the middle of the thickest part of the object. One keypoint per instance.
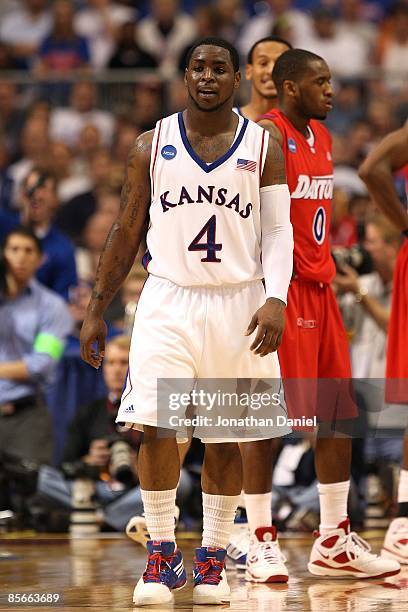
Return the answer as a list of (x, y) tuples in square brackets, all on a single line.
[(258, 71), (214, 189)]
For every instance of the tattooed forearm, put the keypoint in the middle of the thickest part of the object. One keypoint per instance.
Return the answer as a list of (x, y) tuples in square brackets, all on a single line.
[(278, 162), (123, 240)]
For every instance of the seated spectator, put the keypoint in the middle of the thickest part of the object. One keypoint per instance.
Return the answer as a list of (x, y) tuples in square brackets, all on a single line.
[(24, 28), (84, 382), (34, 324), (70, 183), (262, 25), (91, 439), (11, 117), (231, 17), (343, 227), (34, 145), (127, 53), (392, 49), (67, 123), (6, 182), (165, 33), (39, 198), (124, 140), (63, 51), (345, 52), (89, 143), (100, 22), (72, 217), (94, 238), (147, 106), (348, 109)]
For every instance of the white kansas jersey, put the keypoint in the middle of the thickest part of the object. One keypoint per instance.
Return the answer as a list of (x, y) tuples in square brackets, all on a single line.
[(205, 218)]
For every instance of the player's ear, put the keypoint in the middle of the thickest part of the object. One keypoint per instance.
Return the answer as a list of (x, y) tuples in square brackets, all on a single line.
[(290, 88), (237, 79), (185, 77), (248, 72)]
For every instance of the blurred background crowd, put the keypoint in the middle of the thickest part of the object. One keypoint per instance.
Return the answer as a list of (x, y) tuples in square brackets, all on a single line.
[(79, 80)]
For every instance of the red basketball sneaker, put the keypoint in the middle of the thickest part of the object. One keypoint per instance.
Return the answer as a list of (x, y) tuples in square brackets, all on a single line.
[(344, 553)]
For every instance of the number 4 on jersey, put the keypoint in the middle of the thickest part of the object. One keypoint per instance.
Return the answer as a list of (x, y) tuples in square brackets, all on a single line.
[(210, 246)]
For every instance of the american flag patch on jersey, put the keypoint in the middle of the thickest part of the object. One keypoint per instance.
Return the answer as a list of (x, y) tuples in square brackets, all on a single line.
[(246, 164)]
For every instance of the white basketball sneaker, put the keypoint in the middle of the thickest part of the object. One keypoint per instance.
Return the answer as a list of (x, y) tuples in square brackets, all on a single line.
[(210, 579), (396, 541), (164, 574), (238, 546), (265, 561), (343, 553)]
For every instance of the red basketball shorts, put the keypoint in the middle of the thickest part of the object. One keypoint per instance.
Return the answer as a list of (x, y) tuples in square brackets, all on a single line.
[(396, 390), (314, 355)]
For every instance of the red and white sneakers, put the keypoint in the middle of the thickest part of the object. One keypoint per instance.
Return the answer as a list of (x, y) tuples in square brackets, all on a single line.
[(342, 553), (396, 541), (265, 561)]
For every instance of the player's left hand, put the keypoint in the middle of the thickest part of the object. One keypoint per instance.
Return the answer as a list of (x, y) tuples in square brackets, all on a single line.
[(270, 320)]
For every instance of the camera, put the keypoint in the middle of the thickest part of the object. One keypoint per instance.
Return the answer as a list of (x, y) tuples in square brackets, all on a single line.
[(120, 466), (355, 256)]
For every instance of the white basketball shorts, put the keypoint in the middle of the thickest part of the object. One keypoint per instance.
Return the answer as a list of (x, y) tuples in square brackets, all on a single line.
[(182, 334)]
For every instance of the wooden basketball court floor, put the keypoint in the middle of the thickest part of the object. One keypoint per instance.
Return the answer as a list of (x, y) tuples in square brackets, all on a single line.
[(99, 574)]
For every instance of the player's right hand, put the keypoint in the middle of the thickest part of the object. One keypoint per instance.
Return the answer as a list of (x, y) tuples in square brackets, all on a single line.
[(270, 321), (92, 340)]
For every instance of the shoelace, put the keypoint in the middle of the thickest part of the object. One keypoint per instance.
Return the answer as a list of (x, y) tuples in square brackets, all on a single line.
[(154, 566), (271, 552), (355, 546), (210, 571)]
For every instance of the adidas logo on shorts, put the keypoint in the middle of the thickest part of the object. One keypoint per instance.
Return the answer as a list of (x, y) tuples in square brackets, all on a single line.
[(130, 408)]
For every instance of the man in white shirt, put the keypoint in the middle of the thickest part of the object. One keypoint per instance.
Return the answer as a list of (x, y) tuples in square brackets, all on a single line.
[(100, 22), (25, 27), (67, 123)]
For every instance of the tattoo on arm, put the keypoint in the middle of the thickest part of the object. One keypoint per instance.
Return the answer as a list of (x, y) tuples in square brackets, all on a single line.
[(124, 237), (274, 172)]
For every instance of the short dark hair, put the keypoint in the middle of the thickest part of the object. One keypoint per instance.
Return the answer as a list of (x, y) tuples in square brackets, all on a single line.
[(291, 66), (27, 232), (215, 42), (276, 39)]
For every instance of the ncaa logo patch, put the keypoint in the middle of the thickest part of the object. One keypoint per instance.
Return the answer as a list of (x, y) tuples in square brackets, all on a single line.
[(169, 152), (292, 145)]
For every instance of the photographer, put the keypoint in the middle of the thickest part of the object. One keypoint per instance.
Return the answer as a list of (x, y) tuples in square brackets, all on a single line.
[(367, 298), (98, 449), (34, 323), (39, 203)]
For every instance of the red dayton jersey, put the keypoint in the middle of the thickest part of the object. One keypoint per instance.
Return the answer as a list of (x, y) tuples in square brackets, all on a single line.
[(309, 170)]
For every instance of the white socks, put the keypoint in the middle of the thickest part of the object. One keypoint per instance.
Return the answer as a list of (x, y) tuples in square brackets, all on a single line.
[(218, 518), (333, 504), (259, 510), (403, 487), (159, 510)]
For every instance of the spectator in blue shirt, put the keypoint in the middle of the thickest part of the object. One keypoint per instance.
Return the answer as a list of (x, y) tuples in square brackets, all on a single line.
[(63, 50), (39, 203), (34, 323)]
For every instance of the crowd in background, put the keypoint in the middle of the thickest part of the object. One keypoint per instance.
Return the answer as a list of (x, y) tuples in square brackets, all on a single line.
[(80, 80)]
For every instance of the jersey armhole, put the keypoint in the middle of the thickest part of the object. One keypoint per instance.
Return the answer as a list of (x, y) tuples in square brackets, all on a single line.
[(154, 154)]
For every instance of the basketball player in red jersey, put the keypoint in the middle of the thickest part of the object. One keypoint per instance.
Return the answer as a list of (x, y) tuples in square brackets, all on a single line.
[(390, 155), (258, 70), (314, 351)]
